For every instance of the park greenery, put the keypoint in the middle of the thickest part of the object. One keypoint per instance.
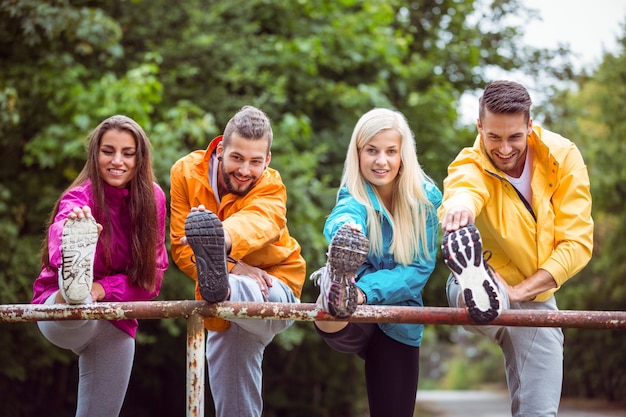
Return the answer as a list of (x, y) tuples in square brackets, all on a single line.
[(182, 68)]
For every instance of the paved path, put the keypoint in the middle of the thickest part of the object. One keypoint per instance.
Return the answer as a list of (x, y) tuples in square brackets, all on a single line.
[(497, 404)]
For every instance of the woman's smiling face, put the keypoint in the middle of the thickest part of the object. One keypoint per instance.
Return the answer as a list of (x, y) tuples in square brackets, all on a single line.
[(380, 159), (117, 157)]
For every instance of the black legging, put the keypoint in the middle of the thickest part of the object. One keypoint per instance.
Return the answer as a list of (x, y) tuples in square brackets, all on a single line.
[(391, 367)]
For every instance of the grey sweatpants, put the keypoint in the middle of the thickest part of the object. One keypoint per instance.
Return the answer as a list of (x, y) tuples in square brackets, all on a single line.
[(533, 357), (235, 355), (105, 360)]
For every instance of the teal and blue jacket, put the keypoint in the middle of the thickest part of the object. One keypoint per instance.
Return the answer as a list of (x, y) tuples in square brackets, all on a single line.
[(383, 281)]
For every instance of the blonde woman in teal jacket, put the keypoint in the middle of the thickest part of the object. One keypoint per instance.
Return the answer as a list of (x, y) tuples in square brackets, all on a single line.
[(383, 244)]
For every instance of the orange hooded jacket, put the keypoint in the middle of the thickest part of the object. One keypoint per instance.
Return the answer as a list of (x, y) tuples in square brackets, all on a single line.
[(256, 223)]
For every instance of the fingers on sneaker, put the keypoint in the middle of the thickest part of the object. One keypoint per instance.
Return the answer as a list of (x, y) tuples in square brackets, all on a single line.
[(201, 207), (80, 213), (87, 211), (354, 226)]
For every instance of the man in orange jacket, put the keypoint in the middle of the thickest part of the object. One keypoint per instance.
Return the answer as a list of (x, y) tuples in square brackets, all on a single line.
[(228, 232)]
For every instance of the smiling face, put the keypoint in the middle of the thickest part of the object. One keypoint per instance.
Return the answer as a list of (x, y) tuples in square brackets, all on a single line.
[(505, 139), (117, 157), (380, 160), (243, 162)]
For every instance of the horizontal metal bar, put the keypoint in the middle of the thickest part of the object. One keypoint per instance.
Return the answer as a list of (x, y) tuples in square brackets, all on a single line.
[(17, 313)]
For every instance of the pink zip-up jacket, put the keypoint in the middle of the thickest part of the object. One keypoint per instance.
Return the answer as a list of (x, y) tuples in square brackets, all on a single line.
[(115, 284)]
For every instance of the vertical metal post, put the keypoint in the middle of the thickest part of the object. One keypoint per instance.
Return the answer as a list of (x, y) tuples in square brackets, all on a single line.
[(195, 365)]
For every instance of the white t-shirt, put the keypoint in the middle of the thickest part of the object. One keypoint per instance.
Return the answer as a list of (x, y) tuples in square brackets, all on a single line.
[(522, 184), (213, 177)]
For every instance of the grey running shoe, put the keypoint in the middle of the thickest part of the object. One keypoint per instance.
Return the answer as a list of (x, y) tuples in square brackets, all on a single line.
[(462, 253), (205, 235), (346, 253), (78, 248)]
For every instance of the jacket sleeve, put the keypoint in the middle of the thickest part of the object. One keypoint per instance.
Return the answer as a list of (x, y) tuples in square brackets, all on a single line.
[(573, 224), (260, 218), (397, 285), (346, 210), (179, 209), (464, 184)]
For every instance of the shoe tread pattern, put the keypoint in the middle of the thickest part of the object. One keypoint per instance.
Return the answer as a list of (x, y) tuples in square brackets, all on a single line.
[(78, 248), (205, 235), (347, 252), (462, 253)]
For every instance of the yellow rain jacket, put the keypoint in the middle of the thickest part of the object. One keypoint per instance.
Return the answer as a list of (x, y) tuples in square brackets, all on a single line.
[(256, 223), (554, 233)]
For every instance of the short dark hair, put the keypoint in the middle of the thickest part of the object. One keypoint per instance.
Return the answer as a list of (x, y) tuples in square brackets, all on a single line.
[(504, 97)]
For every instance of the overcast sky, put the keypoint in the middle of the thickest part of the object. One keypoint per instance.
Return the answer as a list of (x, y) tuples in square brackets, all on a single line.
[(588, 28)]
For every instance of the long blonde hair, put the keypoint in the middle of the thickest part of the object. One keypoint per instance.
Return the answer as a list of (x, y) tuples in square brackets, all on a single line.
[(409, 201)]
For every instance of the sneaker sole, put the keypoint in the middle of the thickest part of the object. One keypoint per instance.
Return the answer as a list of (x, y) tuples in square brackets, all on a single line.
[(462, 253), (346, 253), (205, 235), (78, 249)]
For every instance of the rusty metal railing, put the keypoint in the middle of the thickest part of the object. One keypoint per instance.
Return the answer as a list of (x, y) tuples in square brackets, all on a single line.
[(196, 311)]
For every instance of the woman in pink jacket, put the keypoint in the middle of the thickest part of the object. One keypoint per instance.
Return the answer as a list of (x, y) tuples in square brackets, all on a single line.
[(105, 242)]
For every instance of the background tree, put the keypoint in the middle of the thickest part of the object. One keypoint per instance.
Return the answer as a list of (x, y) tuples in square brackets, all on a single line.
[(593, 115)]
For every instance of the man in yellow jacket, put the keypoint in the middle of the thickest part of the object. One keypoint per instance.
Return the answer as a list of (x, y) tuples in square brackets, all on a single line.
[(522, 193), (228, 231)]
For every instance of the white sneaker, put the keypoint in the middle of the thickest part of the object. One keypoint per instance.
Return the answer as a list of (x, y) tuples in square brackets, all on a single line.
[(78, 247), (462, 253)]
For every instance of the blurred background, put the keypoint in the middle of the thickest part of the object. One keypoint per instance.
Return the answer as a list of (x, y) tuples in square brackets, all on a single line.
[(183, 68)]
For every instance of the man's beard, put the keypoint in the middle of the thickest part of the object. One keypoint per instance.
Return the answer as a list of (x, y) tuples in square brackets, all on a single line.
[(231, 188)]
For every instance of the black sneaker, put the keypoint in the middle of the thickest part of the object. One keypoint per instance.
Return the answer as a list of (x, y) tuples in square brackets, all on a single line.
[(346, 253), (462, 253), (78, 248), (205, 235)]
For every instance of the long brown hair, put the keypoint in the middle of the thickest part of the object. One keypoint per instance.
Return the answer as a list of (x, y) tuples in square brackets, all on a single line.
[(142, 202)]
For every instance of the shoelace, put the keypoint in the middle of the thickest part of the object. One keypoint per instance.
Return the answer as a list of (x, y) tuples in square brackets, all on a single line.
[(316, 276), (486, 257)]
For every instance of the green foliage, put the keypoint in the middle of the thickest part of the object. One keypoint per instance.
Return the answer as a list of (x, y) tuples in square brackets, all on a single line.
[(592, 117), (474, 366), (460, 360), (85, 106), (181, 69)]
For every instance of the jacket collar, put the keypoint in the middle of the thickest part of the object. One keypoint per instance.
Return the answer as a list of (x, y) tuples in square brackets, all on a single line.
[(114, 194)]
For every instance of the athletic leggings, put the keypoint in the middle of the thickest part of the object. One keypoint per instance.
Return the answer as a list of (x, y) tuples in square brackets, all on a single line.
[(105, 359), (391, 367)]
